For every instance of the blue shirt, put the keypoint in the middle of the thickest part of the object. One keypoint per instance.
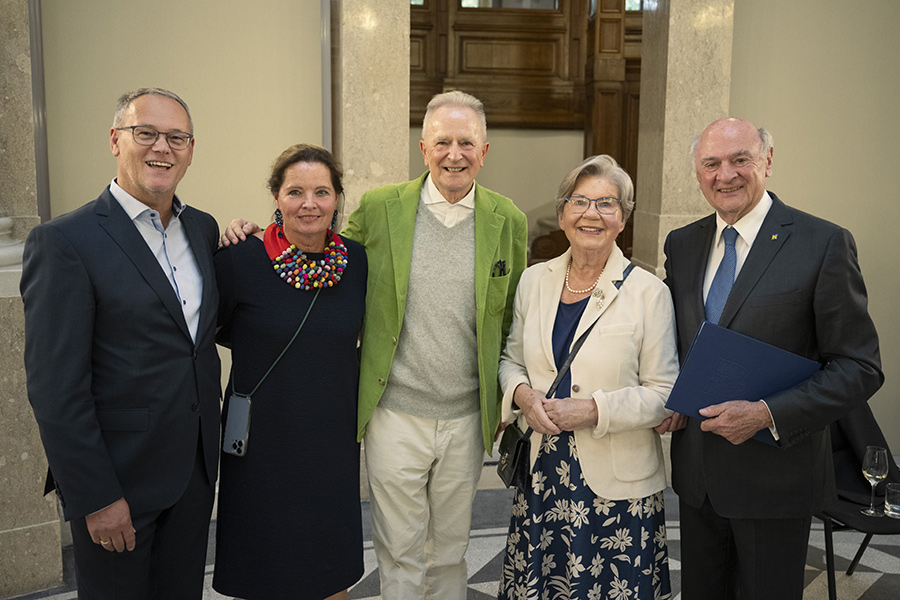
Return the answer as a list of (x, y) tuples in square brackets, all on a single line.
[(567, 319), (171, 248)]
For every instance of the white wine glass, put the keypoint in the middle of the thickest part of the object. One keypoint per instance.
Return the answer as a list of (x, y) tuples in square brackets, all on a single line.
[(875, 468)]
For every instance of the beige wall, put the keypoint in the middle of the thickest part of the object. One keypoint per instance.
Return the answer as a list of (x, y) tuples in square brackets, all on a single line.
[(251, 77), (525, 165), (823, 78), (253, 81)]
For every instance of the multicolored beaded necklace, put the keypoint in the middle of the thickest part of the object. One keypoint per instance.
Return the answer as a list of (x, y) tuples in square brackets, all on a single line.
[(301, 272)]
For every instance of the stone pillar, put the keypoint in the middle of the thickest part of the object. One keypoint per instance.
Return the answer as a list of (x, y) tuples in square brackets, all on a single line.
[(370, 100), (685, 85), (30, 551), (370, 93)]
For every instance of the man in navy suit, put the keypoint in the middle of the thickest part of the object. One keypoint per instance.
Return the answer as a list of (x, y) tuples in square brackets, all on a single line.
[(123, 376), (795, 283)]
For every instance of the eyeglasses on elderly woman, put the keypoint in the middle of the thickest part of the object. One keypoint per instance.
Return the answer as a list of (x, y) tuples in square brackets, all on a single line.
[(607, 205)]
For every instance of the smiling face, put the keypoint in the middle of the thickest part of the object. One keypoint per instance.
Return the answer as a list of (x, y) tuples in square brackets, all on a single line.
[(151, 173), (307, 201), (590, 231), (731, 167), (454, 150)]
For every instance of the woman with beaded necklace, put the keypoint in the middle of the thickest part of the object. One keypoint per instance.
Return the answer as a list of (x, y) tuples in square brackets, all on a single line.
[(289, 523), (591, 524)]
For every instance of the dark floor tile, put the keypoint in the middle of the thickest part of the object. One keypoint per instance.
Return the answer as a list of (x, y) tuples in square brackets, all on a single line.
[(370, 586), (886, 588), (490, 571)]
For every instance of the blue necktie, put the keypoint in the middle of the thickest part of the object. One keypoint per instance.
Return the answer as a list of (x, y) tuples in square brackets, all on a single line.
[(724, 279)]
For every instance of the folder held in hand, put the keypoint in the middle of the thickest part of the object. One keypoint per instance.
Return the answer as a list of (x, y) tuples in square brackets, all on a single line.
[(724, 365)]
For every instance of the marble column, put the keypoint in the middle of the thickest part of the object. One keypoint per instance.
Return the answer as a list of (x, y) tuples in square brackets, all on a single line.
[(30, 552), (685, 85), (370, 100), (370, 93)]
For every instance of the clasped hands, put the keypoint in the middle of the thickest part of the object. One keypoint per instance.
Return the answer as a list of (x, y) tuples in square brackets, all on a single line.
[(554, 415), (736, 420)]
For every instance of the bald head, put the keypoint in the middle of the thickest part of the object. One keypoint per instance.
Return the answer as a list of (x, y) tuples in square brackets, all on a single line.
[(733, 158)]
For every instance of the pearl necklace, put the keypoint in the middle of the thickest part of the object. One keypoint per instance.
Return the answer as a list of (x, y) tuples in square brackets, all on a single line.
[(586, 290)]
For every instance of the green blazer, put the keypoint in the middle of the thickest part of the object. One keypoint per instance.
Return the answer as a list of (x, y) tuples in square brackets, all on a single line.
[(384, 223)]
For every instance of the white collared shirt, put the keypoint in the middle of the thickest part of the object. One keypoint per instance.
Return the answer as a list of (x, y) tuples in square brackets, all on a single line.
[(747, 227), (172, 251), (440, 207)]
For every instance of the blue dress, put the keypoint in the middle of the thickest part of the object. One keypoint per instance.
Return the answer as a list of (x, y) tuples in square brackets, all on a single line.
[(564, 541)]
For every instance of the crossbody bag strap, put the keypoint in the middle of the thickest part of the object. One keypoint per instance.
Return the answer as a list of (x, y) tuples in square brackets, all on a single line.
[(578, 343), (296, 333)]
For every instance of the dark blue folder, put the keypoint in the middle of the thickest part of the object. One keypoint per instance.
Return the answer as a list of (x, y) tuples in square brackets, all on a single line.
[(725, 365)]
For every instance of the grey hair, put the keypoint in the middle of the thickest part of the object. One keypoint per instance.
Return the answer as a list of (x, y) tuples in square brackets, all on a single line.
[(766, 142), (126, 100), (604, 167), (456, 98)]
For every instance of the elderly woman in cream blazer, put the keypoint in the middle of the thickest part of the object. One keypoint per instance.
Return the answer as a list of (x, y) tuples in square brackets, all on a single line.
[(592, 524)]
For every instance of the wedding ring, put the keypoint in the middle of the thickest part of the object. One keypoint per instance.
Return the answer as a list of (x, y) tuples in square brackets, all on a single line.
[(105, 542)]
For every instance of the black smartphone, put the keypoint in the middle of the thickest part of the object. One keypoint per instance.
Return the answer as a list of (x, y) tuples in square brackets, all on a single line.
[(237, 425)]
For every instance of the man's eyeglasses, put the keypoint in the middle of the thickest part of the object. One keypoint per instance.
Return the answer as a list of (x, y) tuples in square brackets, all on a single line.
[(147, 136), (606, 205)]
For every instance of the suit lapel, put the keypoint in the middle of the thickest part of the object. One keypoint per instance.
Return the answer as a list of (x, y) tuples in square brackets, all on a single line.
[(550, 290), (551, 287), (771, 237), (401, 220), (695, 250), (114, 220), (488, 228), (597, 305), (203, 258)]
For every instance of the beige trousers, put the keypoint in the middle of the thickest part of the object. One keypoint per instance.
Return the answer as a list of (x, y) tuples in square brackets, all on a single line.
[(423, 474)]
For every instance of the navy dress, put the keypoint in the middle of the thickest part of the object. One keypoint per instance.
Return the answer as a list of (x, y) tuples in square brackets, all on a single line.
[(289, 523), (567, 542)]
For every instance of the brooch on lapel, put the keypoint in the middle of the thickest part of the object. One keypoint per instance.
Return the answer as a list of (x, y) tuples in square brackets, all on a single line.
[(598, 294)]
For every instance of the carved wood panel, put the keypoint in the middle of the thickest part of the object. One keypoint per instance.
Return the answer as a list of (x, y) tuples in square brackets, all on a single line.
[(527, 66)]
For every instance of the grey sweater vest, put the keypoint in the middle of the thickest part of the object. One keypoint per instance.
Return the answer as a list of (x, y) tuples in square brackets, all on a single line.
[(435, 369)]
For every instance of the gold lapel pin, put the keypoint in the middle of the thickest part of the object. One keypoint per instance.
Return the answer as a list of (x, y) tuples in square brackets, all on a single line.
[(774, 236)]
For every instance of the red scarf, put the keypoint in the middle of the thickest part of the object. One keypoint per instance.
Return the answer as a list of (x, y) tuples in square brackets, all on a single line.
[(276, 244)]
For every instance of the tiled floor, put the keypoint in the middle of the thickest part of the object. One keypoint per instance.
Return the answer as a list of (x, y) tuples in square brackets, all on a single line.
[(876, 578)]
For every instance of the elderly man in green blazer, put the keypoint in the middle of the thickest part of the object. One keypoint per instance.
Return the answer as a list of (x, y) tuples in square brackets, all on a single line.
[(445, 255)]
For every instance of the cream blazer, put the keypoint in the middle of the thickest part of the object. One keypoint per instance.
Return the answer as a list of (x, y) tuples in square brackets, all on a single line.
[(628, 364)]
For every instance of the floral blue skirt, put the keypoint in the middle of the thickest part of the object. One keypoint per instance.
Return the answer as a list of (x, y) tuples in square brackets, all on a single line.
[(565, 542)]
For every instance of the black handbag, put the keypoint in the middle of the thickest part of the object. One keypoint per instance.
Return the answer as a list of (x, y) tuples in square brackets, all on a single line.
[(512, 466), (515, 445)]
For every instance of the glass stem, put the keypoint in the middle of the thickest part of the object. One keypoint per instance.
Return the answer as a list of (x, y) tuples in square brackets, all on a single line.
[(872, 502)]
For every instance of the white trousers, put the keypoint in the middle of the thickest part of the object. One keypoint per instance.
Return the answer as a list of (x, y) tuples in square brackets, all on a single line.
[(423, 474)]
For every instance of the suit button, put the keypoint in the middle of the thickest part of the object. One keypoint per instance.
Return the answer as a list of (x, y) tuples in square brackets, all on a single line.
[(381, 381), (195, 406), (575, 388)]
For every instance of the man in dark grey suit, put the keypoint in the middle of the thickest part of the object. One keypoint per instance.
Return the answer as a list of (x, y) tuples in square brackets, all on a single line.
[(123, 376), (746, 506)]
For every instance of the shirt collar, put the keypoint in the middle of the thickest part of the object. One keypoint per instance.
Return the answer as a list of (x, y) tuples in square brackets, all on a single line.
[(434, 196), (748, 225), (134, 207)]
